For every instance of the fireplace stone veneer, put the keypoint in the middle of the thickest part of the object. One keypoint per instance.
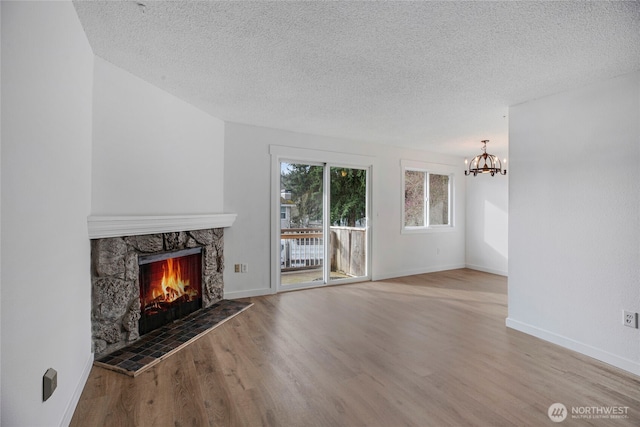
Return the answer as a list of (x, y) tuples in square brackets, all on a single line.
[(115, 309)]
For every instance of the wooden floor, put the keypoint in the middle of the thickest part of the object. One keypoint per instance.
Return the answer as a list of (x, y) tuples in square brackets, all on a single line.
[(426, 350)]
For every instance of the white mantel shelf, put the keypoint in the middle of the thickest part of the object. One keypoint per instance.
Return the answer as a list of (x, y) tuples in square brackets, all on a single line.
[(118, 226)]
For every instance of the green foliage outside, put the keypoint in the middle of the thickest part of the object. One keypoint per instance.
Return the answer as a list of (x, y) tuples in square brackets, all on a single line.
[(348, 196), (305, 184), (347, 193)]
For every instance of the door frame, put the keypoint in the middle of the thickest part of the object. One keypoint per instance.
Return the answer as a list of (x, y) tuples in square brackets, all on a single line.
[(331, 159)]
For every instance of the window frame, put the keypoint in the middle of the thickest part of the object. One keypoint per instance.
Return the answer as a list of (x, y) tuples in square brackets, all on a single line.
[(428, 169)]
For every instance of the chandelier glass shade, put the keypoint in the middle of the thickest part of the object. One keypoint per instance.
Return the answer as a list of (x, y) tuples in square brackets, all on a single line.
[(485, 163)]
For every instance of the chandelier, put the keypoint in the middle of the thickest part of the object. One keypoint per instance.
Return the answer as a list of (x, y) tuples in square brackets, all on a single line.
[(485, 163)]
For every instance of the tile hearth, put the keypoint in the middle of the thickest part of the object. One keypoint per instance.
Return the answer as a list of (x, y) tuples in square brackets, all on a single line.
[(165, 341)]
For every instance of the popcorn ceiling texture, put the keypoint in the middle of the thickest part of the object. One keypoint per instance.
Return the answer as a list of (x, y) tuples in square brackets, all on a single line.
[(431, 75)]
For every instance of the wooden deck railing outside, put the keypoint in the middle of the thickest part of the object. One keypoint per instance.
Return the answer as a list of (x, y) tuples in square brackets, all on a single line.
[(302, 248)]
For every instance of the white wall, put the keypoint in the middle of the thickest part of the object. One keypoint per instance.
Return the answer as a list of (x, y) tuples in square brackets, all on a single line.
[(153, 154), (487, 223), (0, 215), (247, 192), (46, 196), (574, 215)]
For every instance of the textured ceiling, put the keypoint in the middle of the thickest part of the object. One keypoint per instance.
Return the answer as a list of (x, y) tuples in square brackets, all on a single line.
[(432, 75)]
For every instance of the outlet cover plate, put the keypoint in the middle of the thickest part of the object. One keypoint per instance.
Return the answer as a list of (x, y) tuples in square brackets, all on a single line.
[(630, 319)]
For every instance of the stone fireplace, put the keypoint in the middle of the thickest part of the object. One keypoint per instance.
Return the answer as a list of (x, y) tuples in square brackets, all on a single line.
[(118, 300)]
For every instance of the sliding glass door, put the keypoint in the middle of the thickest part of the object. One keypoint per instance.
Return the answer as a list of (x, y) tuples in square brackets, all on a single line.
[(322, 224)]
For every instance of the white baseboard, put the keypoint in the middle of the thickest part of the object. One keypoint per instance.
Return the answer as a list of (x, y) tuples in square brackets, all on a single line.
[(73, 403), (249, 293), (601, 355), (488, 270), (413, 272)]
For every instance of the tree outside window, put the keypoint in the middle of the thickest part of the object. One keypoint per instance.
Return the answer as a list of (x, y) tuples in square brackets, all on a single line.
[(426, 199)]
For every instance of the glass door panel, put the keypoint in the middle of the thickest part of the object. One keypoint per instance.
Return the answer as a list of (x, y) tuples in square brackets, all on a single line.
[(348, 223), (302, 249)]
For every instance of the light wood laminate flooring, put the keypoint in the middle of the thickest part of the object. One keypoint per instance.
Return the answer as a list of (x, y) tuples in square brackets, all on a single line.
[(424, 350)]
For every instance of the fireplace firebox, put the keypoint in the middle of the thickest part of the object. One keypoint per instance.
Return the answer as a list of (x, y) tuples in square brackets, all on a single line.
[(170, 287)]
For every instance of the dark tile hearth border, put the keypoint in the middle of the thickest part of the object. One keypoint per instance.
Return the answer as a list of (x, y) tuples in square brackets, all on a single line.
[(162, 343)]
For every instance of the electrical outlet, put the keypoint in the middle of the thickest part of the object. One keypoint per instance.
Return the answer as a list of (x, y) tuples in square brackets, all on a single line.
[(630, 319), (244, 268)]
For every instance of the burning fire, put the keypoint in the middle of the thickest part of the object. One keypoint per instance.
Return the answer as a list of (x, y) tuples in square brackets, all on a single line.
[(173, 286)]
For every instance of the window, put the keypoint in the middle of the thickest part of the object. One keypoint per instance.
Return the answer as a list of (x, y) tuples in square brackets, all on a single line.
[(427, 199), (283, 213)]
